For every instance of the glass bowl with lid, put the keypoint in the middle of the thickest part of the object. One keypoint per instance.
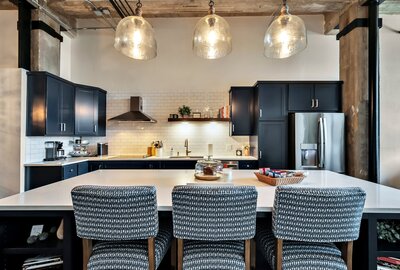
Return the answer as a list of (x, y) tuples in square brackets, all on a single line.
[(208, 167)]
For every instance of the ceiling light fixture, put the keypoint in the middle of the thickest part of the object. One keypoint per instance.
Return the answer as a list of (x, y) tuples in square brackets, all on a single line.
[(285, 36), (134, 36), (212, 36)]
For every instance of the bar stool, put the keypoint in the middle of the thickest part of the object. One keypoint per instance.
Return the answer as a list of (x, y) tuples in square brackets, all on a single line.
[(306, 222), (124, 222), (213, 226)]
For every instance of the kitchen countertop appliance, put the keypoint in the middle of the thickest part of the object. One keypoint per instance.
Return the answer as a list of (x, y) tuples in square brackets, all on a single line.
[(102, 149), (316, 141), (80, 148), (53, 150)]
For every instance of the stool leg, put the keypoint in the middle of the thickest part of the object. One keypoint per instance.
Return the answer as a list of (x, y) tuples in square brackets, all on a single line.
[(253, 253), (151, 253), (86, 252), (247, 254), (173, 254), (279, 254), (180, 254)]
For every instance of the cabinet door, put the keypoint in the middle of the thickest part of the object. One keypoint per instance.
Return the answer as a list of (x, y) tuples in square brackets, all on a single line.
[(53, 107), (102, 114), (272, 143), (86, 100), (179, 165), (272, 101), (300, 97), (83, 167), (242, 106), (327, 97), (67, 108), (70, 171)]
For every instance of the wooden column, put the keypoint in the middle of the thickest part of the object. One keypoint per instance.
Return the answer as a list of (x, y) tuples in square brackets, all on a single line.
[(354, 74)]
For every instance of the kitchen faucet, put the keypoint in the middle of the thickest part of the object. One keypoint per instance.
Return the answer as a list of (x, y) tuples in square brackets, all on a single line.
[(187, 147)]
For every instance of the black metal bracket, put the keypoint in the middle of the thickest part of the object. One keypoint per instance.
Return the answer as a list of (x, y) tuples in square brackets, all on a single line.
[(356, 23), (47, 28)]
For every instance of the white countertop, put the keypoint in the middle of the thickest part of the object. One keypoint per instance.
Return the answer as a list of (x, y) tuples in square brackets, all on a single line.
[(74, 160), (380, 199)]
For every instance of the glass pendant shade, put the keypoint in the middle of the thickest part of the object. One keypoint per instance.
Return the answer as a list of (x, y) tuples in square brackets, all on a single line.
[(134, 38), (286, 36), (212, 37)]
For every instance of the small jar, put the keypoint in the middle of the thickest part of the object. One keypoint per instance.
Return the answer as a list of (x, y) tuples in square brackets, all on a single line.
[(209, 167)]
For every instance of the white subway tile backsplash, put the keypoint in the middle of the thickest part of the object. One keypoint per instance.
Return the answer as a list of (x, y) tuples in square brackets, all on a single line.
[(134, 137)]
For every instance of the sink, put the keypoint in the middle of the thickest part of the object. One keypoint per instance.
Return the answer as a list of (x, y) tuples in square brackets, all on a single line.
[(188, 157)]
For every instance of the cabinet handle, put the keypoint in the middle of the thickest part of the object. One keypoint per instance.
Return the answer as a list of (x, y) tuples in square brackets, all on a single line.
[(65, 127), (95, 128), (260, 113), (260, 154), (233, 127), (71, 170), (312, 103), (316, 103), (61, 127)]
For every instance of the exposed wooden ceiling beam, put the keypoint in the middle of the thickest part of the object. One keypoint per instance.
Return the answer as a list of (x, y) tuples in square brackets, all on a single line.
[(331, 21)]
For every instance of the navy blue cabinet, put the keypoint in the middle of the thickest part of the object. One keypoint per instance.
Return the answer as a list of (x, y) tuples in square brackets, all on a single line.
[(241, 100), (315, 97), (50, 105), (57, 107), (37, 176), (90, 111)]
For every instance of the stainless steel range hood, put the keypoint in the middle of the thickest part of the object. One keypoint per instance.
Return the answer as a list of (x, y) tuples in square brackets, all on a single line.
[(136, 113)]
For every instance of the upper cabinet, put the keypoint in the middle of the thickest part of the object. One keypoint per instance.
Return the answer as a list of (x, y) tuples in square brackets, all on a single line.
[(90, 119), (242, 111), (271, 101), (50, 105), (315, 97), (57, 107)]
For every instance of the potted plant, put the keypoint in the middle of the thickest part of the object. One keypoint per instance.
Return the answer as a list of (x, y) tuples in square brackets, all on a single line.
[(185, 111)]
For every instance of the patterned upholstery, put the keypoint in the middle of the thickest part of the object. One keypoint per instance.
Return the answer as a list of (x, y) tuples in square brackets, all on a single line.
[(115, 213), (214, 213), (214, 221), (128, 255), (310, 220), (226, 255), (121, 219), (317, 215), (300, 255)]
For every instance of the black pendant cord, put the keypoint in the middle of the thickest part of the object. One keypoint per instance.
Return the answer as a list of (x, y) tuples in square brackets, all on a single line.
[(374, 91)]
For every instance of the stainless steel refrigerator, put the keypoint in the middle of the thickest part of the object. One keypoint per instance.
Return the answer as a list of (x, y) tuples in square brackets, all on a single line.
[(317, 141)]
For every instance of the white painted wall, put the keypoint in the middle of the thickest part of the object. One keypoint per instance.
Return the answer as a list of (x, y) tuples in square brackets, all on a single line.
[(178, 77), (65, 57), (390, 102), (9, 39)]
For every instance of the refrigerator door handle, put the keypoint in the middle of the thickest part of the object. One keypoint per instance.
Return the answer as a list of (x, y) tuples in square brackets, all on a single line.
[(321, 146)]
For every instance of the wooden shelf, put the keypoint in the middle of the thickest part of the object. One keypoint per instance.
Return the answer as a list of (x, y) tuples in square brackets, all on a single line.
[(198, 119)]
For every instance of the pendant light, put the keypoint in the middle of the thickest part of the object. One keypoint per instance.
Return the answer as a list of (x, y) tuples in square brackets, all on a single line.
[(285, 36), (212, 36), (134, 36)]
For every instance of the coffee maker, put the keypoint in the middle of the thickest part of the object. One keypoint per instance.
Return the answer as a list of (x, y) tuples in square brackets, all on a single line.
[(54, 150)]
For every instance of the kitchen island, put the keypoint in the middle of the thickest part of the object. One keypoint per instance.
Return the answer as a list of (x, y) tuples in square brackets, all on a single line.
[(54, 201)]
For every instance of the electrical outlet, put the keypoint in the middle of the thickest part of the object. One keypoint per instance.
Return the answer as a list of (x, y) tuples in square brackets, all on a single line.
[(228, 147)]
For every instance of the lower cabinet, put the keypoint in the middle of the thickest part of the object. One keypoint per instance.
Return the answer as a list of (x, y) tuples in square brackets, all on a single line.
[(248, 165), (272, 144), (38, 176)]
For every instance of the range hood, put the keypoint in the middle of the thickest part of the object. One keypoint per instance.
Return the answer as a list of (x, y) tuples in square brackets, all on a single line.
[(136, 113)]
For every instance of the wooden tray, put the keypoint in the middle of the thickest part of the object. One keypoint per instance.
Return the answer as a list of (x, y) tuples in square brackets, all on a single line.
[(279, 181), (207, 177)]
